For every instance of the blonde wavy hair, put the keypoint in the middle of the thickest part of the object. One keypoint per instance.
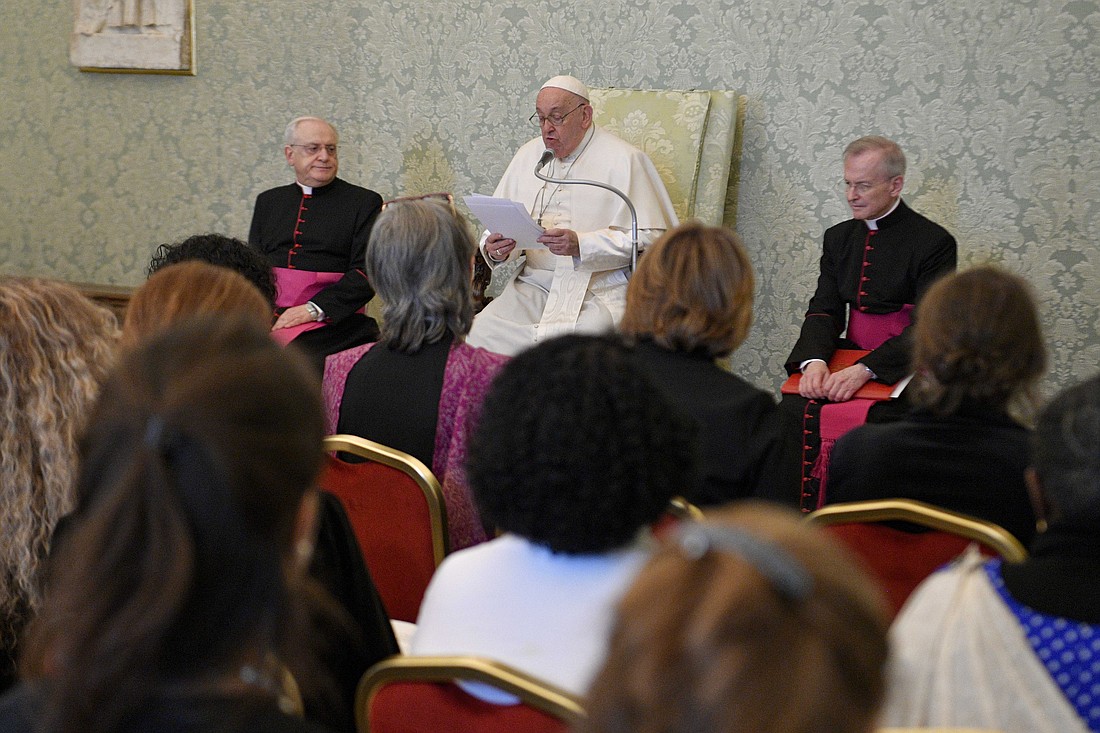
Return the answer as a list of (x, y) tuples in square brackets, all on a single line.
[(56, 347)]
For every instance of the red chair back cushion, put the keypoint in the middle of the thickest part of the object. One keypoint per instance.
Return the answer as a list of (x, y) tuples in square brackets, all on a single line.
[(390, 517), (899, 560), (442, 707)]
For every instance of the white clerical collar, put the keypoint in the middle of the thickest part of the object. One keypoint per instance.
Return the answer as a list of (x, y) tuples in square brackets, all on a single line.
[(307, 190), (872, 224)]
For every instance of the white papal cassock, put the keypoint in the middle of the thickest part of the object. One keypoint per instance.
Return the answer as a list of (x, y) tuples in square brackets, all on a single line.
[(554, 294)]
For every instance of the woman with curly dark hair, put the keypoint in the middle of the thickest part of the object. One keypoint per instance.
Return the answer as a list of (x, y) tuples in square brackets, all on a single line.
[(575, 455), (169, 604), (223, 251), (978, 354)]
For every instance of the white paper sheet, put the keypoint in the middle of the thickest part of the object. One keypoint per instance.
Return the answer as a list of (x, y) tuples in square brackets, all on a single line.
[(509, 218)]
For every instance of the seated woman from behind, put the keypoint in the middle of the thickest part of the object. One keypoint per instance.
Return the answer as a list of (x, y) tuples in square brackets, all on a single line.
[(749, 622), (169, 604), (223, 251), (186, 289), (420, 388), (689, 303), (193, 288), (576, 454), (978, 354), (57, 347), (1016, 647)]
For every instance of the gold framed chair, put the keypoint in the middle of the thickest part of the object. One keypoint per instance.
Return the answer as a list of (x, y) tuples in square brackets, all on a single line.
[(683, 509), (678, 511), (900, 560), (406, 694), (395, 505), (936, 730), (991, 535)]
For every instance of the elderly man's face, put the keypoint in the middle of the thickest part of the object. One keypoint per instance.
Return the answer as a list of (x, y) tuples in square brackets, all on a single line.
[(312, 155), (575, 115), (870, 191)]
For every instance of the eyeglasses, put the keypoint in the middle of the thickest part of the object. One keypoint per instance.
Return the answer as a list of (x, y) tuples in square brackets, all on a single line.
[(555, 120), (314, 148), (860, 187), (442, 196)]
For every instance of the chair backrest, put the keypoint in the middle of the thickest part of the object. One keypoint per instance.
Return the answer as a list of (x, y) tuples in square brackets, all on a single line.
[(900, 560), (936, 730), (415, 694), (678, 511), (395, 505), (692, 137)]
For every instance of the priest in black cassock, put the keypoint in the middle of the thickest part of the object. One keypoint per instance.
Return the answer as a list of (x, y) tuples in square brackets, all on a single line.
[(314, 233), (874, 269)]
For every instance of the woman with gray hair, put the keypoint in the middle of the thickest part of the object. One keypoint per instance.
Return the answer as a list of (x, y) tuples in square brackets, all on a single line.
[(420, 388)]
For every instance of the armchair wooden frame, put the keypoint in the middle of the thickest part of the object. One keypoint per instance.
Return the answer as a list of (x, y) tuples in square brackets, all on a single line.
[(909, 510), (531, 691), (684, 510), (409, 465)]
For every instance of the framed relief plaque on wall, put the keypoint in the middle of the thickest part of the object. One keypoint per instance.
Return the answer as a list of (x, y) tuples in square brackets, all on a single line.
[(134, 36)]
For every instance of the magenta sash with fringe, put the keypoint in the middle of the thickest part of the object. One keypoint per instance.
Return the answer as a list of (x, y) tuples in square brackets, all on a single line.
[(868, 331)]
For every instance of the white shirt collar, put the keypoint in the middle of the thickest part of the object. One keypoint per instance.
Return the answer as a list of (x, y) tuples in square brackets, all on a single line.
[(307, 190), (872, 224)]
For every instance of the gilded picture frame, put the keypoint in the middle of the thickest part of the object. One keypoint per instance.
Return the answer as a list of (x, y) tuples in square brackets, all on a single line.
[(134, 36)]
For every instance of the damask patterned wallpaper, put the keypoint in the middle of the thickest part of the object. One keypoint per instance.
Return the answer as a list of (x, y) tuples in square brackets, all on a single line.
[(996, 105)]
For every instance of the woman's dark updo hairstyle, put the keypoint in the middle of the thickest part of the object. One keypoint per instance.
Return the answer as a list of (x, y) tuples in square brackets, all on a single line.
[(576, 450), (977, 339), (198, 454)]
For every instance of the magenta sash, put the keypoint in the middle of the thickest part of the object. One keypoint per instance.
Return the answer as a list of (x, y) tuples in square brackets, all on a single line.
[(837, 418), (297, 287), (870, 330)]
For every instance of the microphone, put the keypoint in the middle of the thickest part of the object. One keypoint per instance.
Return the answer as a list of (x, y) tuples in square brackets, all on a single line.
[(608, 187), (544, 160)]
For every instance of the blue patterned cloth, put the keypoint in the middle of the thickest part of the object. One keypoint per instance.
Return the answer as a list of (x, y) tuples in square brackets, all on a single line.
[(1070, 650)]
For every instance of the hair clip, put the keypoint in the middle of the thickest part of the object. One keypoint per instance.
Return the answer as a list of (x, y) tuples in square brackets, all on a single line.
[(788, 576)]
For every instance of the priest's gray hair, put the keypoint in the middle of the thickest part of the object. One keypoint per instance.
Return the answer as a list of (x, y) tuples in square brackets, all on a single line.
[(892, 157), (419, 263), (291, 133)]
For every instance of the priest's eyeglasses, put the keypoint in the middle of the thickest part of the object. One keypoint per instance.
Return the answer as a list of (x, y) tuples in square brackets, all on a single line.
[(314, 148), (555, 120), (441, 196), (860, 187)]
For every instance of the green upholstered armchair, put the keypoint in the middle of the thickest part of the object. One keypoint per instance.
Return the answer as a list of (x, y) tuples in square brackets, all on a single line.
[(693, 139)]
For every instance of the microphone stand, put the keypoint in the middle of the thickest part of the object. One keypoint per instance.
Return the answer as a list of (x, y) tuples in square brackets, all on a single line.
[(629, 204)]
